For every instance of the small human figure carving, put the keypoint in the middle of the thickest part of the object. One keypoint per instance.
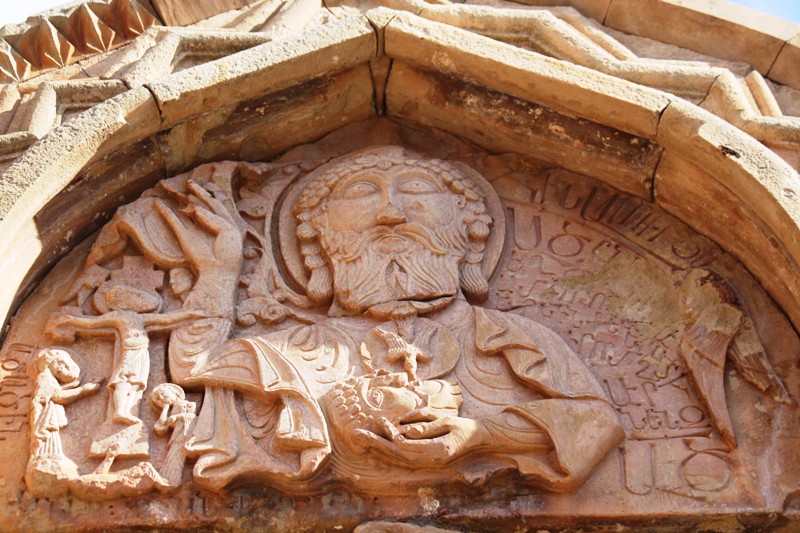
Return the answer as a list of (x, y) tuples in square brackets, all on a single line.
[(170, 397), (131, 314), (56, 384)]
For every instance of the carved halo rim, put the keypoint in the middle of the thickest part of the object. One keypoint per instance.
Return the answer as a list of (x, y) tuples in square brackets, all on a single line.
[(287, 224)]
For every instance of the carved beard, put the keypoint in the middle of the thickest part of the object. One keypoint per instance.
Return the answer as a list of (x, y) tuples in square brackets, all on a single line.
[(406, 263)]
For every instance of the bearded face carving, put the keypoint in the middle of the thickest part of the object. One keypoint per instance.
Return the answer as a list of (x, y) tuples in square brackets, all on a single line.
[(400, 235)]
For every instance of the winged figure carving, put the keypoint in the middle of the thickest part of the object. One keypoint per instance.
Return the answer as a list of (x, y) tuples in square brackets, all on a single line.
[(720, 333)]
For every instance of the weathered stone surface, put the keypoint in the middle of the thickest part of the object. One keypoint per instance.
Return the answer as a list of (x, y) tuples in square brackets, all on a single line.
[(263, 127), (768, 226), (688, 192), (626, 161), (784, 69), (596, 9), (182, 50), (728, 30), (526, 75), (337, 45), (397, 527), (179, 13), (771, 183)]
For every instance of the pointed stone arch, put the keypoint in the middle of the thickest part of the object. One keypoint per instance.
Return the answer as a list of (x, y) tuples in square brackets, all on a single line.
[(641, 140)]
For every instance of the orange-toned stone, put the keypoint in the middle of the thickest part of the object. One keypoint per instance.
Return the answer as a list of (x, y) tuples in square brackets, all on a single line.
[(484, 321)]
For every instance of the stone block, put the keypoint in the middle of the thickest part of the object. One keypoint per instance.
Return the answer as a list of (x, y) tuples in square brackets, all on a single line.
[(556, 84), (328, 48), (786, 68), (65, 150), (757, 177), (263, 127), (721, 29), (504, 123), (182, 13)]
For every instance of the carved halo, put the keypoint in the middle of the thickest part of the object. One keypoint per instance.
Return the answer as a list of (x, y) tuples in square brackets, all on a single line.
[(287, 223)]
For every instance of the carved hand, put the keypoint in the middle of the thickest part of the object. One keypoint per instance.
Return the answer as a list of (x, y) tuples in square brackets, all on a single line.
[(161, 425), (90, 388), (428, 443), (60, 329), (206, 213)]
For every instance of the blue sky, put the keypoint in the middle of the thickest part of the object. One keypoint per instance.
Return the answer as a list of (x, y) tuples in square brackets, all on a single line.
[(13, 11), (786, 9)]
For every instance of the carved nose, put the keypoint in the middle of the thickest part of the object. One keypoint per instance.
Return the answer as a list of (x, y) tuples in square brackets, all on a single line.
[(391, 216)]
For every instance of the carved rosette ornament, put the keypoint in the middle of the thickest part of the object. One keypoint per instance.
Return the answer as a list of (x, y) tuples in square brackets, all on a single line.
[(393, 324)]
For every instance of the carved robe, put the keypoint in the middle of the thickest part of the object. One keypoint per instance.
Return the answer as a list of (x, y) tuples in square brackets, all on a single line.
[(47, 419), (261, 417)]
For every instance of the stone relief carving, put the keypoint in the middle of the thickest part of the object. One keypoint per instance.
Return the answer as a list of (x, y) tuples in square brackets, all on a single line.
[(392, 244), (170, 398), (56, 384), (330, 322)]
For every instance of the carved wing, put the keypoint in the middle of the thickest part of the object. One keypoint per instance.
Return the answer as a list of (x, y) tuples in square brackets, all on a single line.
[(747, 354), (703, 348), (723, 331)]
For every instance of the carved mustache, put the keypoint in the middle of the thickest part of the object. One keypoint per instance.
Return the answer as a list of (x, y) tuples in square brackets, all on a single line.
[(349, 245)]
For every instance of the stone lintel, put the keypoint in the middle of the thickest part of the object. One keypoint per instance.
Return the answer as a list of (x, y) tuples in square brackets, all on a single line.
[(524, 74), (504, 123), (329, 48), (263, 127)]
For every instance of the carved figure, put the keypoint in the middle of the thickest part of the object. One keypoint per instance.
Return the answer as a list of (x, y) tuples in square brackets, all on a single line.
[(55, 376), (394, 279), (169, 397), (130, 314)]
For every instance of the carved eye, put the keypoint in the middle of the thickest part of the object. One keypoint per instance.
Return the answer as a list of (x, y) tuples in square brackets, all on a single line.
[(359, 189), (417, 186)]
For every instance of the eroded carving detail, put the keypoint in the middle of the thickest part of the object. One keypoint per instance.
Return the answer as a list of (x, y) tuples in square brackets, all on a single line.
[(370, 351), (56, 377), (393, 282), (177, 414)]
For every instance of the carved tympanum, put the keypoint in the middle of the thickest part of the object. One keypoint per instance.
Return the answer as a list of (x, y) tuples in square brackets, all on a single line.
[(334, 321)]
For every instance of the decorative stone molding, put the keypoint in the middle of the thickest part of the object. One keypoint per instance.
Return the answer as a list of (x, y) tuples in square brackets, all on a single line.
[(67, 36)]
